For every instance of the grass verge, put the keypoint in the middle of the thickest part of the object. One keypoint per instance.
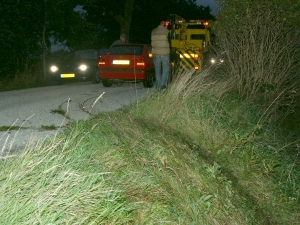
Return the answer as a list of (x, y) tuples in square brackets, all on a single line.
[(187, 155), (24, 81)]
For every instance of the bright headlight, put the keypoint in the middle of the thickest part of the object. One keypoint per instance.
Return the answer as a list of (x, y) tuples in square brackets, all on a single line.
[(83, 67), (53, 68), (212, 61)]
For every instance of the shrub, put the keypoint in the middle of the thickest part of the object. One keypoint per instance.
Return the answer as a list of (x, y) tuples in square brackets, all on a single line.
[(261, 49)]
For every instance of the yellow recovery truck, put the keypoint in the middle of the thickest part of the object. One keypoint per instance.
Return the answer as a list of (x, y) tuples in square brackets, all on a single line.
[(189, 42)]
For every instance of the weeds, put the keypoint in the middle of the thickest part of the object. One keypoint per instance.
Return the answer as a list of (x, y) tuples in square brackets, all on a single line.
[(261, 59)]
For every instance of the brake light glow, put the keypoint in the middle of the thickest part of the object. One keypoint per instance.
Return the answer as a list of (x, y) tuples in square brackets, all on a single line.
[(205, 23), (140, 63), (101, 62)]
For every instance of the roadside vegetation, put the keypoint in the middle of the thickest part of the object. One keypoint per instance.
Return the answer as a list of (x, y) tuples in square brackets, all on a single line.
[(189, 155), (220, 146), (24, 81)]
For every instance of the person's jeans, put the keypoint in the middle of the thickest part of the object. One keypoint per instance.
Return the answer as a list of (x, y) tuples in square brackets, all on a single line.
[(162, 69)]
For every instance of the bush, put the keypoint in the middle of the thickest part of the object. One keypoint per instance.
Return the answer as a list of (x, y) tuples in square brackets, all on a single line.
[(261, 51)]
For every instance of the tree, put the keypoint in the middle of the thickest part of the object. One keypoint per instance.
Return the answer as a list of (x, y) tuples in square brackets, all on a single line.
[(28, 26), (148, 14), (137, 18), (100, 11), (19, 37)]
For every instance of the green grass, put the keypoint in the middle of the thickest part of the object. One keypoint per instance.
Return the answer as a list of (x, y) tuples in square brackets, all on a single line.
[(188, 155)]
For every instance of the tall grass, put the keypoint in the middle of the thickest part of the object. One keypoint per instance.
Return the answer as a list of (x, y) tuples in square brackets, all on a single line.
[(259, 42), (187, 155), (237, 138), (49, 185)]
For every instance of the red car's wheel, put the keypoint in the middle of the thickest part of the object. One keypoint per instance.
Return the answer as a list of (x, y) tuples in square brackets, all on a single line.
[(149, 80)]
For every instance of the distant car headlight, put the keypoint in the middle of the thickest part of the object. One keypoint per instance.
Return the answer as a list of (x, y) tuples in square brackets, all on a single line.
[(212, 61), (54, 68), (83, 67)]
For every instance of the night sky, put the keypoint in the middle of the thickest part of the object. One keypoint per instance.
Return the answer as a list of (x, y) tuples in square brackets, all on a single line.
[(213, 5)]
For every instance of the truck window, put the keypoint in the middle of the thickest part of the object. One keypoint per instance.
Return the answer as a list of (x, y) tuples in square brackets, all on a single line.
[(197, 37), (196, 26)]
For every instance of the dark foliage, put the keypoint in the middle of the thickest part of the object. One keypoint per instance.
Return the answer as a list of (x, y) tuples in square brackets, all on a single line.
[(29, 27)]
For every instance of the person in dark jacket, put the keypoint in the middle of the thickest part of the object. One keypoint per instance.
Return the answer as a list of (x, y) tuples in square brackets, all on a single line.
[(161, 54)]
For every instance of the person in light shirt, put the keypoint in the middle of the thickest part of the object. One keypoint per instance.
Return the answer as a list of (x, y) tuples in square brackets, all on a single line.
[(161, 54)]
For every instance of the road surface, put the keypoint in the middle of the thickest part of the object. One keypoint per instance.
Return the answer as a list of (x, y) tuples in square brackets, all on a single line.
[(35, 114)]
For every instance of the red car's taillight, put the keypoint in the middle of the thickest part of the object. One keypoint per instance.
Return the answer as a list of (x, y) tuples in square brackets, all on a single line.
[(101, 62), (140, 62)]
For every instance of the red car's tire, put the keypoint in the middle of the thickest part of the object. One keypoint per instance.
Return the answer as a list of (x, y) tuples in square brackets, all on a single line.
[(149, 80)]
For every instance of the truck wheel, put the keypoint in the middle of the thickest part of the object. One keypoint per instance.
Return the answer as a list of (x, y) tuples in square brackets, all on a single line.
[(107, 83), (149, 80)]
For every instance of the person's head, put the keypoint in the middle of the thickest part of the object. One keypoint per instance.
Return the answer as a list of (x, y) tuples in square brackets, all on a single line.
[(163, 23), (123, 37)]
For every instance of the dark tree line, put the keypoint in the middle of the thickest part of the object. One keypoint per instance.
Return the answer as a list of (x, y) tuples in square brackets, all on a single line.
[(26, 30), (29, 27)]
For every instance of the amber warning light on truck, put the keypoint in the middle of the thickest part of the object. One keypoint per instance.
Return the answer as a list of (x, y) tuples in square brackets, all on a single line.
[(200, 22)]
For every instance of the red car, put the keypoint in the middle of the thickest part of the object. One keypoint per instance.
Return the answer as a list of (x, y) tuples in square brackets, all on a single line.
[(127, 62)]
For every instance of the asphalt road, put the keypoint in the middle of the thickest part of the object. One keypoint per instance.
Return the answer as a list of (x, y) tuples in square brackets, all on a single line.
[(26, 115)]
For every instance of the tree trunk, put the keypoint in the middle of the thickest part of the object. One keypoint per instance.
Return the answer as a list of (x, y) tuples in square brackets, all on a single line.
[(44, 40), (125, 20)]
